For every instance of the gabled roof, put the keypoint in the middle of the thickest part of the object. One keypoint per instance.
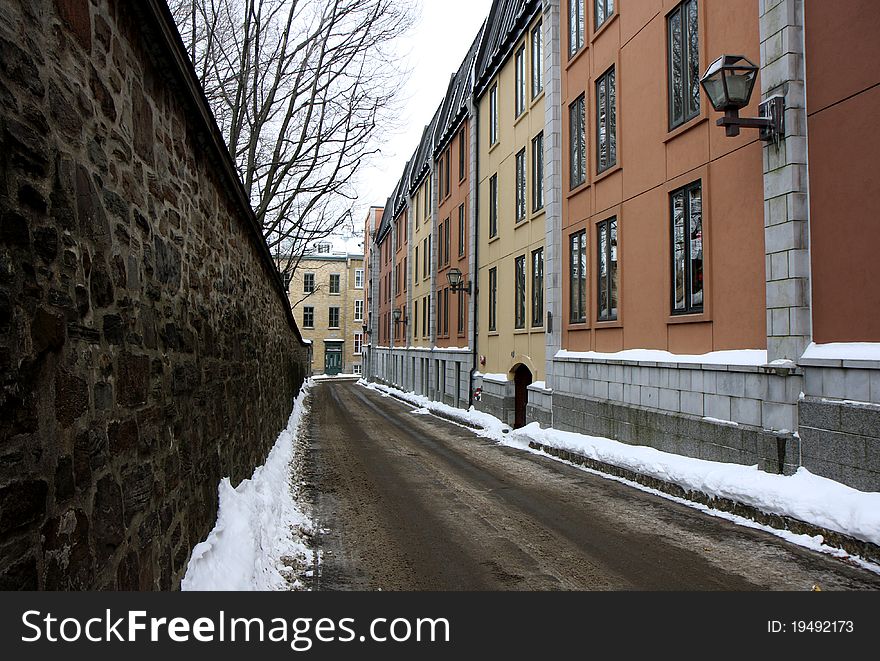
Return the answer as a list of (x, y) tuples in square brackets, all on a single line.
[(505, 25), (455, 105), (387, 217), (421, 161)]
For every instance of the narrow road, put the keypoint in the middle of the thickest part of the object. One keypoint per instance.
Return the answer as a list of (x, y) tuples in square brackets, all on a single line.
[(412, 502)]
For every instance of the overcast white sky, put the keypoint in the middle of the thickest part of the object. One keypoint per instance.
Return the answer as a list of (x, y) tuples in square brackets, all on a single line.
[(432, 52)]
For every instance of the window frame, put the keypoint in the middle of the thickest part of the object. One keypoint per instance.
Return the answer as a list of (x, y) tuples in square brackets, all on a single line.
[(689, 307), (519, 100), (606, 13), (338, 291), (358, 343), (493, 206), (537, 288), (688, 83), (330, 310), (612, 291), (538, 172), (493, 299), (579, 106), (462, 155), (579, 276), (359, 317), (521, 186), (576, 27), (519, 292), (610, 112), (461, 313), (537, 44), (493, 115), (310, 310), (306, 280), (359, 278), (462, 230)]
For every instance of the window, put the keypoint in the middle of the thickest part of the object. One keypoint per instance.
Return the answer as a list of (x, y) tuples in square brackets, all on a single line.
[(538, 288), (493, 114), (684, 63), (460, 312), (426, 258), (604, 11), (440, 184), (430, 239), (575, 26), (397, 279), (537, 61), (323, 248), (308, 317), (309, 283), (520, 91), (403, 274), (358, 344), (687, 249), (519, 300), (416, 317), (334, 317), (358, 278), (521, 186), (358, 310), (416, 267), (425, 317), (606, 121), (462, 155), (577, 142), (607, 269), (493, 298), (334, 283), (493, 206), (578, 278), (446, 161), (427, 199), (446, 312), (462, 230), (287, 277), (358, 369), (538, 172), (440, 244), (446, 241)]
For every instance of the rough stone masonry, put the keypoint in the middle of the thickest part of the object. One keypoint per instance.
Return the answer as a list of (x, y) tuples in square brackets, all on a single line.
[(147, 348)]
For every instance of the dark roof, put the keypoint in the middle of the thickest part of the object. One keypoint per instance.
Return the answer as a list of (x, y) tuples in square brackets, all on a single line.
[(421, 161), (505, 25), (387, 217), (455, 105)]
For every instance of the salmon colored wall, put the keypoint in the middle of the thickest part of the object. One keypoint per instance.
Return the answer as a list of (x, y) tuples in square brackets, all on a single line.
[(652, 161), (843, 105), (448, 211), (399, 261)]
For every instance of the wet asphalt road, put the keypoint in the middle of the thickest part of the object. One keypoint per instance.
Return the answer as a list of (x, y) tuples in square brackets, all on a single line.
[(412, 502)]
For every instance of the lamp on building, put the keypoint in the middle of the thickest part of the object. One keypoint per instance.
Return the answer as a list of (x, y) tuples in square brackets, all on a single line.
[(399, 315), (455, 281), (729, 82)]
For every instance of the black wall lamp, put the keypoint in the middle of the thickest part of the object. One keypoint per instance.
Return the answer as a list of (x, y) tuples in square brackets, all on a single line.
[(729, 82), (396, 314), (456, 282)]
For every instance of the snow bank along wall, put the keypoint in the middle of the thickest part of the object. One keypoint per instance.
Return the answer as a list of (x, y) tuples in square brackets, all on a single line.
[(147, 348)]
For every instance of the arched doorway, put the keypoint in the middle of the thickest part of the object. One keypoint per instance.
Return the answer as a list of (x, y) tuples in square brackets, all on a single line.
[(522, 379)]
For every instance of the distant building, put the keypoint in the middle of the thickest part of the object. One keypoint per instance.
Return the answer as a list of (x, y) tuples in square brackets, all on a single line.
[(327, 296)]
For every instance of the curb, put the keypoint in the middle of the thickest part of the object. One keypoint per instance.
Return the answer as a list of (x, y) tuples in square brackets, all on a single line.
[(853, 546)]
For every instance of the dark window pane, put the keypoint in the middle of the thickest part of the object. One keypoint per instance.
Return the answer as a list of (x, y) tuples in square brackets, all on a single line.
[(676, 68), (679, 273), (696, 247), (693, 59), (615, 272)]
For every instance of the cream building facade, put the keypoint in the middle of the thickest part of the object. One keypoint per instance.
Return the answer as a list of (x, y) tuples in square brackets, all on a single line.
[(327, 294)]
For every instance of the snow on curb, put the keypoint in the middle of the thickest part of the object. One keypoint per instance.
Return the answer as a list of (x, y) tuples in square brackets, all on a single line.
[(258, 538), (803, 496)]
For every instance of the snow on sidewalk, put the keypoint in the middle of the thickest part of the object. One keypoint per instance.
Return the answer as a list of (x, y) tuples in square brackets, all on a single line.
[(804, 496), (257, 542)]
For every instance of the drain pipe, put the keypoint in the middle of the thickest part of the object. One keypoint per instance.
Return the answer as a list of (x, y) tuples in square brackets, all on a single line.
[(475, 196)]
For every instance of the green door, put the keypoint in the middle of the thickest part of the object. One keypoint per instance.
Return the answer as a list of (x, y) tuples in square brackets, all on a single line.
[(333, 361)]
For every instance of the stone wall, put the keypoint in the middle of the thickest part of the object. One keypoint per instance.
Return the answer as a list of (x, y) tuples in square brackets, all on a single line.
[(146, 346)]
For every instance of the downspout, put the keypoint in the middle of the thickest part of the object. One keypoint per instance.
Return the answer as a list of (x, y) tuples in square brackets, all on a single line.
[(475, 131)]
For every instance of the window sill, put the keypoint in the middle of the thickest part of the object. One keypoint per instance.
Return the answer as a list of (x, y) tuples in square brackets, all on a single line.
[(537, 99), (580, 188), (572, 59), (538, 213), (617, 167), (577, 325), (520, 331), (493, 147), (537, 330), (494, 239), (522, 222), (696, 318), (521, 117), (611, 323), (687, 126), (608, 23), (494, 333)]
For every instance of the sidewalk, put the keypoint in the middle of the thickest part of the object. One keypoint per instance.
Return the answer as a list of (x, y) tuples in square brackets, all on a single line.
[(803, 508)]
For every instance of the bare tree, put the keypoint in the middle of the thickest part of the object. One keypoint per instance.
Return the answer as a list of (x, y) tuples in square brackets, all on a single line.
[(302, 91)]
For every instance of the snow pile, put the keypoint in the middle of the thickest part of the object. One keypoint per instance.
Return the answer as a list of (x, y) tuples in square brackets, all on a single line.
[(257, 536), (843, 351), (744, 357), (804, 496)]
